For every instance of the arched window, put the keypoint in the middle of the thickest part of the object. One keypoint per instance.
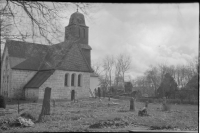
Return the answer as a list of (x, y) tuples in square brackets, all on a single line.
[(79, 80), (66, 79), (73, 80)]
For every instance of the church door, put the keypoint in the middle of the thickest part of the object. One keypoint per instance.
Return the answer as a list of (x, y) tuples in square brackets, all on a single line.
[(72, 95)]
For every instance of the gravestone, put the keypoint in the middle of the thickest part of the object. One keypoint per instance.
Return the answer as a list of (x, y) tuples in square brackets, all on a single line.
[(132, 104), (146, 104), (2, 102), (46, 103), (73, 95), (99, 92), (95, 93)]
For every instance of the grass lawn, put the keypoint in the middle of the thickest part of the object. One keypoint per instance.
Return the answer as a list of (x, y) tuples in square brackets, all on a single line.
[(79, 116)]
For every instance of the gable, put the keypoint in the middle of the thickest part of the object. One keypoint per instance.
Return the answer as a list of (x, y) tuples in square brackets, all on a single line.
[(74, 61)]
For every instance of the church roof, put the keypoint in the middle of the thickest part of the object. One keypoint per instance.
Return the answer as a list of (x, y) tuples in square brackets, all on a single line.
[(39, 78), (62, 56)]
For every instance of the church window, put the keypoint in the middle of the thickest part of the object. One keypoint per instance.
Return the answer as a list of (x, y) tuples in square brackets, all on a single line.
[(73, 80), (66, 79), (79, 80), (6, 62)]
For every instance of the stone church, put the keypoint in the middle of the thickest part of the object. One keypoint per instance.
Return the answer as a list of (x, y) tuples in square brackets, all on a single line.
[(28, 68)]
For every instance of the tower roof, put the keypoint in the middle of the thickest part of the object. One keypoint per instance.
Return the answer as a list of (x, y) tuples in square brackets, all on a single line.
[(77, 18)]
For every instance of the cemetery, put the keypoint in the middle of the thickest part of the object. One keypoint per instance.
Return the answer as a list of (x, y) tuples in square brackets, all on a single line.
[(96, 114)]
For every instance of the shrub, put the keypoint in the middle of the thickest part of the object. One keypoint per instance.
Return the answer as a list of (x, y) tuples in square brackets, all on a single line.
[(28, 115), (166, 107)]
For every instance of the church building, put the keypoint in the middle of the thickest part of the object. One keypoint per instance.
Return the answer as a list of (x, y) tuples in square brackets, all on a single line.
[(28, 68)]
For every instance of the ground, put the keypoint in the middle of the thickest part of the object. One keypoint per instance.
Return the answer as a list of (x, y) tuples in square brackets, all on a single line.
[(93, 115)]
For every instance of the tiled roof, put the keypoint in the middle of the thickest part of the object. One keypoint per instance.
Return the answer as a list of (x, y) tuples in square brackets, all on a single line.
[(39, 78), (31, 56), (24, 49), (24, 55), (74, 60), (32, 63)]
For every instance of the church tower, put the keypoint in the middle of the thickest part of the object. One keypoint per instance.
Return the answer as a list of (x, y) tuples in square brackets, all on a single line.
[(77, 31)]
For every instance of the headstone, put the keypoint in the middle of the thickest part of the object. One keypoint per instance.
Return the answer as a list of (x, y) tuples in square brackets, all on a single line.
[(73, 95), (46, 103), (2, 102), (132, 104), (54, 102), (146, 104), (95, 93), (99, 92)]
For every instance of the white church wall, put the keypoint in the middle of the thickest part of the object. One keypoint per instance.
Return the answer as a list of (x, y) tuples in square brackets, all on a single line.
[(59, 91), (31, 93), (19, 80), (94, 83)]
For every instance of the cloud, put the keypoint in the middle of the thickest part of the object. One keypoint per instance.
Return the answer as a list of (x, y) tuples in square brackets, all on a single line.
[(151, 34)]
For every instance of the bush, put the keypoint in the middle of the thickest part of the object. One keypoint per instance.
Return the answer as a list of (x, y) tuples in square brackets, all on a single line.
[(171, 101), (166, 107), (28, 115)]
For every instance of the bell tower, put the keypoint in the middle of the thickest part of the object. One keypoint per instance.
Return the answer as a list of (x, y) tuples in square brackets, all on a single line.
[(77, 31)]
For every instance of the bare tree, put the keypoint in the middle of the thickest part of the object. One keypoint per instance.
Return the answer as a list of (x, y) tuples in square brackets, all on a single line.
[(124, 64), (153, 76), (108, 63), (43, 18), (117, 72), (97, 67)]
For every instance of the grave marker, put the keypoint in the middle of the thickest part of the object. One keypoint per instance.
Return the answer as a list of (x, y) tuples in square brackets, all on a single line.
[(99, 92), (132, 104), (46, 103)]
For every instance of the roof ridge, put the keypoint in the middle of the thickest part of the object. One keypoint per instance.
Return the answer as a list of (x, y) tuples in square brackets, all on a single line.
[(25, 42)]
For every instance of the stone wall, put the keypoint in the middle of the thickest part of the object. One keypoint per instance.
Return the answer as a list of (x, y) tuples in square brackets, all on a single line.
[(19, 79), (31, 93), (60, 91)]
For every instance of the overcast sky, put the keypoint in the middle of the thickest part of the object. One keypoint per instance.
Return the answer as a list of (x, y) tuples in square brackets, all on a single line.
[(149, 33)]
